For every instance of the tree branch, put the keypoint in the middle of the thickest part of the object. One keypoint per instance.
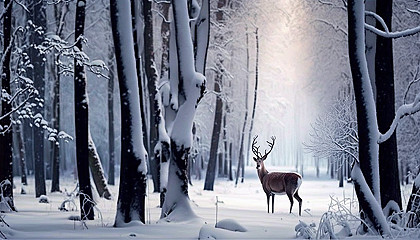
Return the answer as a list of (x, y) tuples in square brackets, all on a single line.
[(404, 110), (405, 33)]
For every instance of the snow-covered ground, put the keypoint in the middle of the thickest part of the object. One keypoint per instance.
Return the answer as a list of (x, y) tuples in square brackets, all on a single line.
[(245, 204)]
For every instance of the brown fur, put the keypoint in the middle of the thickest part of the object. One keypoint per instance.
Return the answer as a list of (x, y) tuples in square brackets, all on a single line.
[(279, 183)]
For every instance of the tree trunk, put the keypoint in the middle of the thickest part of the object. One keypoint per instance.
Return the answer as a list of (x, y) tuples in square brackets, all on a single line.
[(413, 205), (55, 184), (225, 147), (82, 121), (371, 44), (217, 124), (6, 160), (152, 78), (164, 150), (242, 152), (191, 89), (111, 133), (60, 13), (139, 65), (230, 162), (29, 146), (385, 107), (257, 48), (211, 167), (98, 175), (202, 36), (38, 16), (369, 198), (23, 168), (132, 190)]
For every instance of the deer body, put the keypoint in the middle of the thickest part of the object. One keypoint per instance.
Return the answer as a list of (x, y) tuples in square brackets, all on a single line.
[(277, 182)]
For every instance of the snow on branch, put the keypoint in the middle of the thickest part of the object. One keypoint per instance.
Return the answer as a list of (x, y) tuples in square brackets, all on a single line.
[(404, 110), (386, 34), (379, 19)]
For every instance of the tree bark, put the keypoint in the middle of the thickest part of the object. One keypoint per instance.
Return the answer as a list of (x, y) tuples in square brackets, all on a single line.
[(111, 133), (152, 78), (38, 17), (82, 120), (385, 107), (257, 48), (365, 104), (55, 183), (6, 160), (164, 150), (192, 83), (23, 168), (60, 13), (241, 148), (413, 205), (98, 175), (132, 190), (368, 172), (139, 65), (217, 125)]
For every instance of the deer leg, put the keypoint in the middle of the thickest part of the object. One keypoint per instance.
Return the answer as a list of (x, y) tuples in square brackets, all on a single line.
[(268, 203), (291, 200), (300, 202), (272, 203)]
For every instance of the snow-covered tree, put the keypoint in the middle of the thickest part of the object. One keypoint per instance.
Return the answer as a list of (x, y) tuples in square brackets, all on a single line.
[(132, 190), (6, 171), (186, 91)]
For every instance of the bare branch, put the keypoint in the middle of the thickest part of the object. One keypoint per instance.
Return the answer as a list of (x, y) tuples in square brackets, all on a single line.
[(405, 33), (404, 110), (379, 19)]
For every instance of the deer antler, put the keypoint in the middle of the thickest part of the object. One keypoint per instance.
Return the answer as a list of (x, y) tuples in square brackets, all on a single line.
[(255, 149), (271, 145)]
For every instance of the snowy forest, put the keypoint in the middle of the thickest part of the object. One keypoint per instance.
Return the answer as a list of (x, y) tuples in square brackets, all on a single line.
[(183, 119)]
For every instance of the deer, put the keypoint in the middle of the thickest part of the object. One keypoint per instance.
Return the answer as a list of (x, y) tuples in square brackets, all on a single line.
[(276, 182)]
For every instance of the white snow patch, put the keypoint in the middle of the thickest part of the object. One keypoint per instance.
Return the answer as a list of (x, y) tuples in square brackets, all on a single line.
[(231, 225)]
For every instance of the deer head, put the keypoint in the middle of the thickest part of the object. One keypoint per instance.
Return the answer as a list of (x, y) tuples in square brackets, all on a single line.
[(259, 158)]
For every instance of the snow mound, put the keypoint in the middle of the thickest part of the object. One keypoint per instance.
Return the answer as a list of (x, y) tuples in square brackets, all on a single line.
[(44, 199), (209, 232), (231, 225)]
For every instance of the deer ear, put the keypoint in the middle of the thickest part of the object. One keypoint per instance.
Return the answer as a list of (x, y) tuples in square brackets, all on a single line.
[(264, 158), (254, 158)]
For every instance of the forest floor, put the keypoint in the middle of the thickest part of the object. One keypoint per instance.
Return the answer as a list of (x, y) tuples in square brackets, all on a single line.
[(246, 204)]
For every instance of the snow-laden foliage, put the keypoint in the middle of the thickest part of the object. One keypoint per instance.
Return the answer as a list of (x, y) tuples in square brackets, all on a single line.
[(66, 53), (25, 97), (338, 222), (305, 231)]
